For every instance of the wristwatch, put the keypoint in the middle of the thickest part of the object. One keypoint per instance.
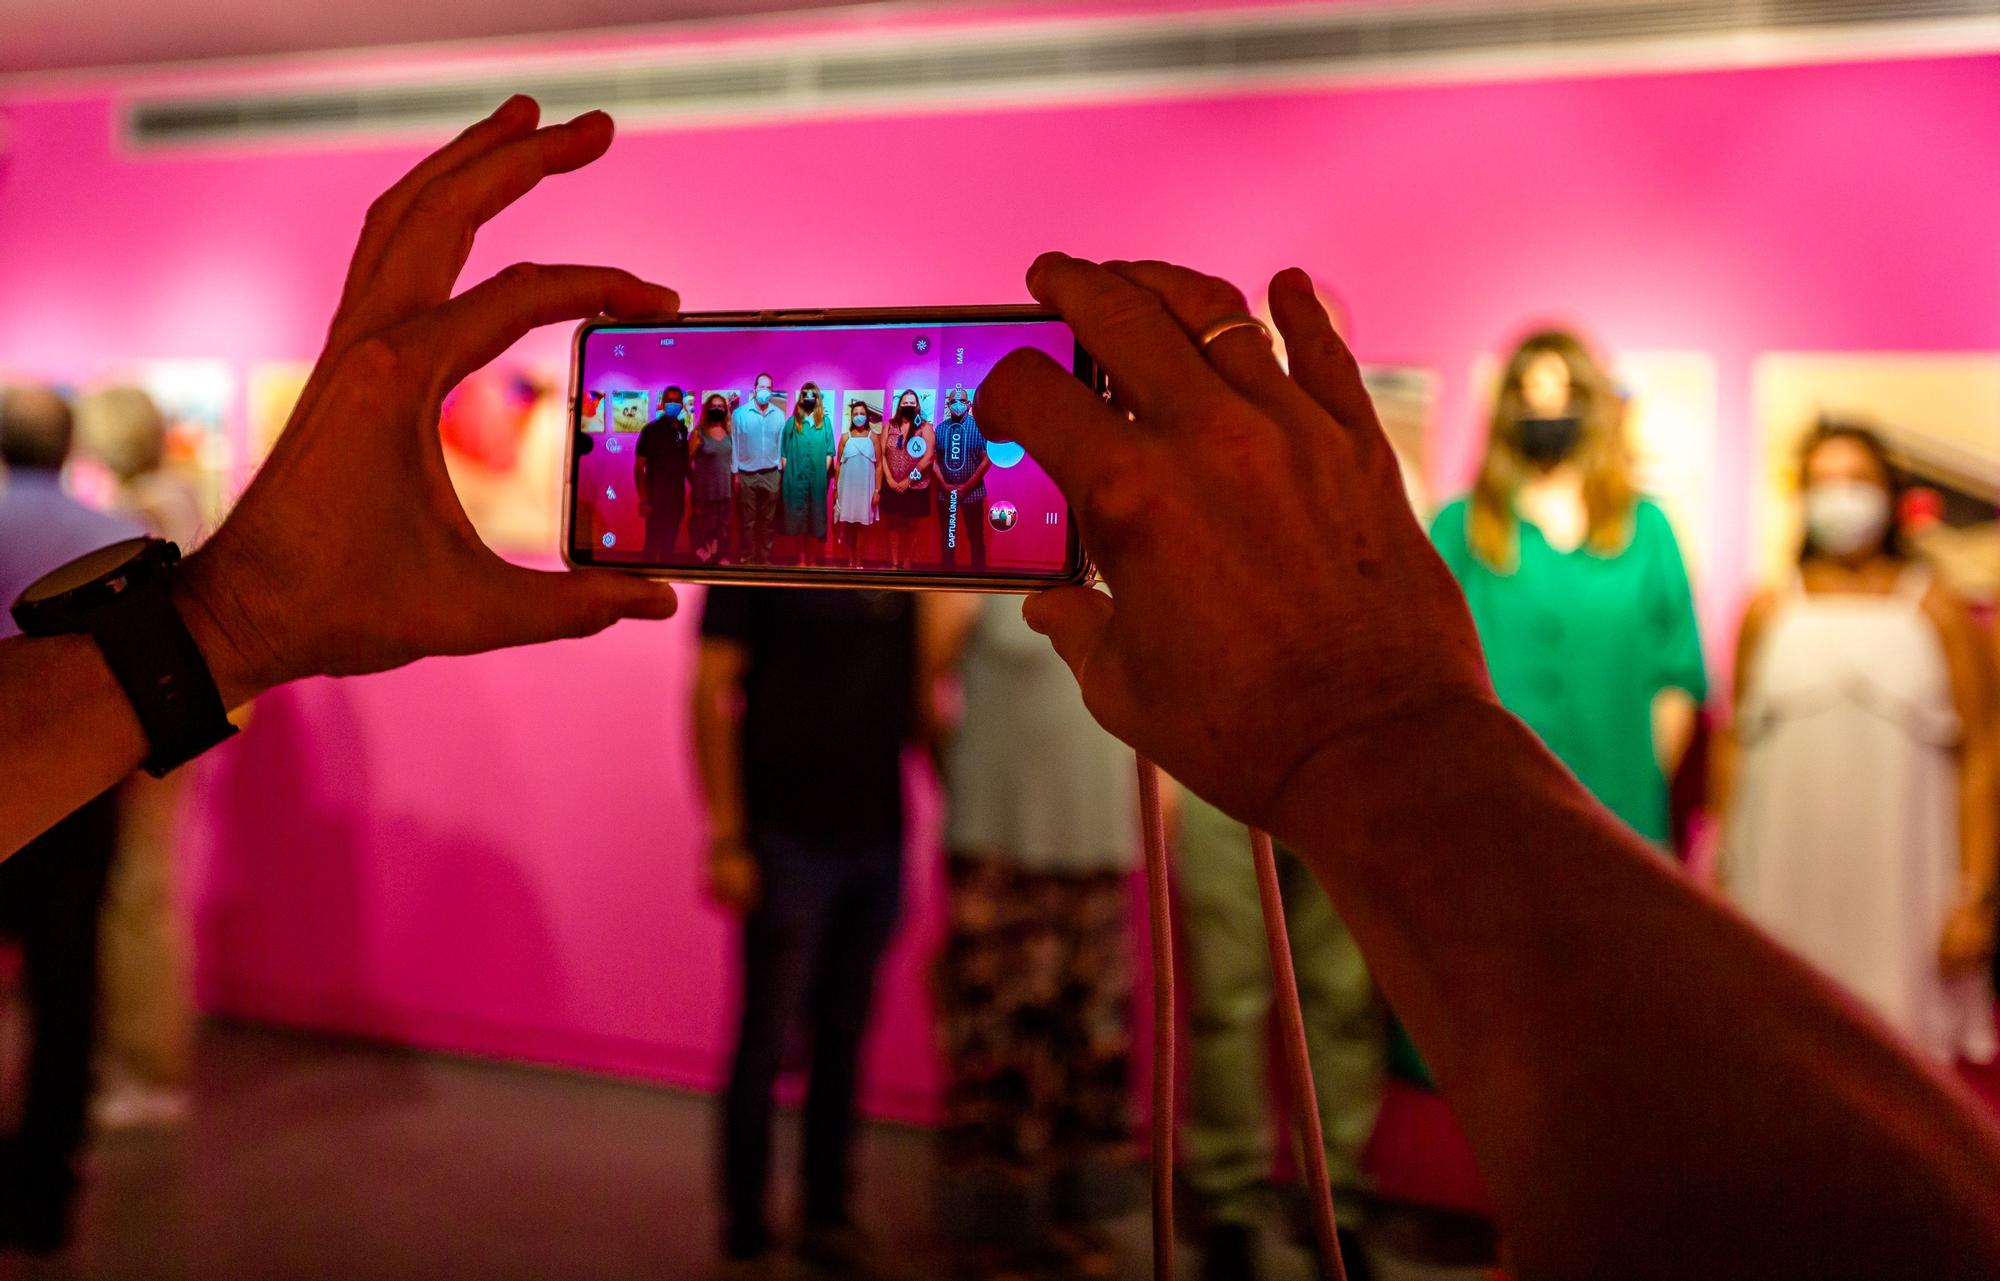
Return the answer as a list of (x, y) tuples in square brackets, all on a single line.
[(118, 596)]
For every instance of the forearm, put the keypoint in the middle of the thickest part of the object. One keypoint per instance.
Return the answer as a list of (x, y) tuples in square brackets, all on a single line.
[(67, 732), (1723, 762), (1978, 820), (1675, 714), (719, 757), (1562, 980)]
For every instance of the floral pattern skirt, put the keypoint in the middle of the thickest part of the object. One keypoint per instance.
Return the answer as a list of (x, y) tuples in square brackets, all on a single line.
[(1034, 991)]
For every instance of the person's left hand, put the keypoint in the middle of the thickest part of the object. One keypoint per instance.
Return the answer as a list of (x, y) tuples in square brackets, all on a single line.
[(1968, 938), (350, 552)]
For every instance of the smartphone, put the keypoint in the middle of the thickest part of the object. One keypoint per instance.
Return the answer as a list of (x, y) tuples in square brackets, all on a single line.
[(813, 448)]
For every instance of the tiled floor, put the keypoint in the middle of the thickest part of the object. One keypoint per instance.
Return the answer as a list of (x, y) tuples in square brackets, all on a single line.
[(309, 1158)]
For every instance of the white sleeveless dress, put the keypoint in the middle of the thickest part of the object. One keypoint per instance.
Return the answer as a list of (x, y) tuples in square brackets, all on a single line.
[(1844, 838), (854, 496)]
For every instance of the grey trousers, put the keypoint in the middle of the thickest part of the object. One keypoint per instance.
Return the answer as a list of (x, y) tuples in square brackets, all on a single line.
[(1225, 1145), (757, 516)]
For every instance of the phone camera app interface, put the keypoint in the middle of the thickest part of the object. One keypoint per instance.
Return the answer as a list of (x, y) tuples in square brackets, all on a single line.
[(809, 446)]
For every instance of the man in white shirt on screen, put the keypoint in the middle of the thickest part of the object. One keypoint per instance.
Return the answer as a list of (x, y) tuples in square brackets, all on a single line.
[(758, 426)]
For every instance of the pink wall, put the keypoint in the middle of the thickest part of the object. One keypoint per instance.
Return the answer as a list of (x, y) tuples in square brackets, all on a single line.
[(411, 854)]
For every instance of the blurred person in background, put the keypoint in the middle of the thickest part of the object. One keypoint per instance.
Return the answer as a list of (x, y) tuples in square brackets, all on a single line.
[(1576, 583), (1578, 592), (52, 891), (1034, 984), (1858, 777), (804, 702), (711, 465), (147, 1033), (808, 472), (661, 464), (123, 428), (909, 446), (1226, 1147)]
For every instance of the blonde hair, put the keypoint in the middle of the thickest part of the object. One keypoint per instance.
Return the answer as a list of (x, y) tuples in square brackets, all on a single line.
[(1609, 495), (122, 428), (818, 414)]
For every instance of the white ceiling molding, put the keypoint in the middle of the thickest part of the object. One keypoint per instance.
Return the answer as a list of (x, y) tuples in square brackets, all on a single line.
[(958, 65)]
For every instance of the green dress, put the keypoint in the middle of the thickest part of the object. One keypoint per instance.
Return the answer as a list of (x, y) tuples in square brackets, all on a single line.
[(803, 486), (1579, 644)]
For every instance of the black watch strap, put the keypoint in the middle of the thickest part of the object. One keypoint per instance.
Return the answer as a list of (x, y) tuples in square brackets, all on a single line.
[(155, 661)]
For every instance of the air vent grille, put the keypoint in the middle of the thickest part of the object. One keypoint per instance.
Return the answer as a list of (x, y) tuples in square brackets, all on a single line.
[(1131, 55)]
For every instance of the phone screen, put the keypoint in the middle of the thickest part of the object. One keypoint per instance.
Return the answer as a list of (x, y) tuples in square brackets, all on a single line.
[(831, 450)]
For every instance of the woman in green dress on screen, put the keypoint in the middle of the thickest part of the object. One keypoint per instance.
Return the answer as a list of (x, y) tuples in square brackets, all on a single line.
[(807, 454)]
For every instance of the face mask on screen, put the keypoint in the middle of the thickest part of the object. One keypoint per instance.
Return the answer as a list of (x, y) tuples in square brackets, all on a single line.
[(860, 420), (671, 409), (958, 408), (1845, 516), (763, 397)]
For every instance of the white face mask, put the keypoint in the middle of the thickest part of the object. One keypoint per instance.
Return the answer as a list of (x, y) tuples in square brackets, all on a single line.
[(1845, 516)]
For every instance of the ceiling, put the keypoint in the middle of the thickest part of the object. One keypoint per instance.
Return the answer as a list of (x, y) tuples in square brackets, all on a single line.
[(63, 35)]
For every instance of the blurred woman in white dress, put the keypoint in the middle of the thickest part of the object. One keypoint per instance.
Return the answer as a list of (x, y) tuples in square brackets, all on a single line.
[(1858, 781)]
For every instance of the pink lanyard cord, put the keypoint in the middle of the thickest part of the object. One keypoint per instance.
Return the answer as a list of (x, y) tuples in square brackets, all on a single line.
[(1298, 1058), (1160, 918)]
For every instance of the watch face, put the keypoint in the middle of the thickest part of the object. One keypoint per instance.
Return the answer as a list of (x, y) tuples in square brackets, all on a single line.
[(83, 570)]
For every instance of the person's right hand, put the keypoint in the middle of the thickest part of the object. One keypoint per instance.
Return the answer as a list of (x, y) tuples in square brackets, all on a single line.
[(350, 552), (1272, 595), (734, 883)]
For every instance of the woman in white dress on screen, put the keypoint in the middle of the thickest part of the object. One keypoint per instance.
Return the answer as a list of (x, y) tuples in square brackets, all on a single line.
[(854, 494), (1858, 780)]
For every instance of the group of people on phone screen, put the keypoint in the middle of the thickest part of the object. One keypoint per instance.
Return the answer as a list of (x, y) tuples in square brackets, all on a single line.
[(737, 475)]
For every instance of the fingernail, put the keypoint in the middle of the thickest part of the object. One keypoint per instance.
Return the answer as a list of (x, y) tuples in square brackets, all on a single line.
[(1041, 265), (590, 115), (514, 108)]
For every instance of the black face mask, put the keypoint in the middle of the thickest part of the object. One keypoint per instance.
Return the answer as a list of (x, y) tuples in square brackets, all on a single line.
[(809, 401), (906, 411), (1547, 441), (715, 413)]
